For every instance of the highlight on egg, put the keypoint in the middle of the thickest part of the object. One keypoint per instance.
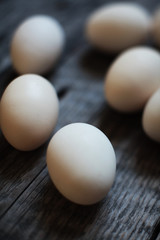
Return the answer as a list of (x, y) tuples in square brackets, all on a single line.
[(81, 163), (37, 44), (151, 117), (132, 78), (28, 111), (117, 26)]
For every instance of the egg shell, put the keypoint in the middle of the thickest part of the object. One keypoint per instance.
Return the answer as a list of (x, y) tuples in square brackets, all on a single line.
[(118, 26), (81, 163), (132, 79), (37, 44), (156, 27), (151, 117), (28, 111)]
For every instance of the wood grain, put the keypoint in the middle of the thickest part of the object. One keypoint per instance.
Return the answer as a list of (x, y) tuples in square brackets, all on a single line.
[(30, 206)]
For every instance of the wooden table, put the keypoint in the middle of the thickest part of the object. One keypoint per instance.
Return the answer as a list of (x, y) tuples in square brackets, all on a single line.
[(30, 206)]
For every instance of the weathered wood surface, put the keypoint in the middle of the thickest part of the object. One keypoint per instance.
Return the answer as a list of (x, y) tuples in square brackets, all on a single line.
[(30, 206)]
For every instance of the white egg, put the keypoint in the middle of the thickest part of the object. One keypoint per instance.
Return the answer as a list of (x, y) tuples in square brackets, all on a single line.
[(132, 79), (37, 44), (81, 163), (118, 26), (151, 117), (28, 111), (156, 27)]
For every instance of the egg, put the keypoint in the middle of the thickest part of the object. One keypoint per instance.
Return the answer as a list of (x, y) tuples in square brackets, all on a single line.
[(156, 27), (28, 111), (132, 78), (81, 163), (117, 26), (37, 44), (151, 117)]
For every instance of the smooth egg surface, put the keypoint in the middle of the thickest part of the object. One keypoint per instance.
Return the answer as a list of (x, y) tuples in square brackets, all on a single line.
[(132, 79), (151, 117), (118, 26), (28, 111), (81, 163), (37, 44)]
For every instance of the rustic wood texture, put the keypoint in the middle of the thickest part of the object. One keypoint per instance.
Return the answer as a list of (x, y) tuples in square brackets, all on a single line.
[(30, 205)]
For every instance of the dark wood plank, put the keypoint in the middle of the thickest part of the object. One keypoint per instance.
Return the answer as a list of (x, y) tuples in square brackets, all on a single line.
[(30, 206)]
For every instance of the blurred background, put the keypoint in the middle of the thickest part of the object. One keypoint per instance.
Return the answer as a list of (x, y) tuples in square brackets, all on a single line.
[(30, 206)]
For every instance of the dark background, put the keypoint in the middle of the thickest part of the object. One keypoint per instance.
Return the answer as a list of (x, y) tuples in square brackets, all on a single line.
[(30, 206)]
